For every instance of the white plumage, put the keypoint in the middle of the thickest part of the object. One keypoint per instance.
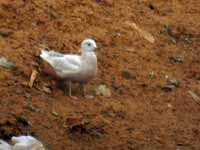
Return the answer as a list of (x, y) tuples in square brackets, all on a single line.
[(78, 68), (22, 143), (5, 146)]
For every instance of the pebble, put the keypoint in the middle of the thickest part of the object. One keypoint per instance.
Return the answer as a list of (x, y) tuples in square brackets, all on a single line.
[(46, 90), (5, 63), (170, 85), (103, 90), (167, 88), (152, 75), (176, 59), (127, 75), (174, 82)]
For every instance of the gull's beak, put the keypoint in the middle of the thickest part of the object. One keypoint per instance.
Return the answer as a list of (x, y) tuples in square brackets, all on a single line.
[(95, 47), (98, 48)]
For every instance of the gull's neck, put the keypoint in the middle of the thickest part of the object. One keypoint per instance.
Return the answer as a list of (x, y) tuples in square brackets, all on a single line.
[(88, 54)]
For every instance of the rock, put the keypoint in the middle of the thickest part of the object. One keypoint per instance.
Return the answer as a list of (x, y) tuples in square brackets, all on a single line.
[(75, 120), (169, 105), (77, 123), (4, 34), (108, 2), (146, 35), (152, 75), (5, 63), (46, 90), (195, 97), (151, 7), (189, 39), (55, 113), (118, 34), (176, 59), (103, 90), (167, 87), (32, 78), (172, 36), (22, 121), (170, 85), (127, 75), (174, 82)]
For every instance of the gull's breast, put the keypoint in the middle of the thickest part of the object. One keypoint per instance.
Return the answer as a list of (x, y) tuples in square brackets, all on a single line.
[(86, 73), (88, 69)]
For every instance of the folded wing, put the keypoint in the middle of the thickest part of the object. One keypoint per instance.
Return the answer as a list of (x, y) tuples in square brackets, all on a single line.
[(63, 64)]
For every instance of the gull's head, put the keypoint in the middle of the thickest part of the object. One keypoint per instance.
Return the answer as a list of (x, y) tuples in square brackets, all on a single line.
[(88, 45)]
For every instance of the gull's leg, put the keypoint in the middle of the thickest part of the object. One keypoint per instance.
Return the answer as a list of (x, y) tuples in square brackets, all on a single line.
[(82, 87), (70, 90), (63, 86)]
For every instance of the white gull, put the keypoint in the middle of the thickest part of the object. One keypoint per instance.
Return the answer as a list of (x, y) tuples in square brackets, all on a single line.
[(74, 68)]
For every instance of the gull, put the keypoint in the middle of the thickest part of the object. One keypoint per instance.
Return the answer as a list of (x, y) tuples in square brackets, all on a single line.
[(22, 143), (73, 67)]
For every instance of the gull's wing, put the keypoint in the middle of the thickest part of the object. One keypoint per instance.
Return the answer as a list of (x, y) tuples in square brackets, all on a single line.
[(53, 53), (69, 64), (63, 64), (27, 142)]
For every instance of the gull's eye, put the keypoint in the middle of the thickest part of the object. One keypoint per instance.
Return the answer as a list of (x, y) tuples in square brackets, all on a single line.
[(89, 44)]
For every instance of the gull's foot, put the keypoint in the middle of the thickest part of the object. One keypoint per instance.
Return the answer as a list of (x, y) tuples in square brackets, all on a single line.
[(74, 97), (89, 96)]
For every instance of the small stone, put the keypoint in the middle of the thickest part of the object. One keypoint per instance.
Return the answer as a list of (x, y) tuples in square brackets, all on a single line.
[(172, 36), (167, 87), (23, 121), (169, 105), (4, 34), (151, 6), (75, 121), (152, 75), (103, 90), (55, 113), (143, 33), (194, 96), (46, 90), (118, 34), (98, 132), (32, 78), (174, 82), (34, 24), (25, 84), (176, 59), (127, 75), (170, 85), (189, 39), (5, 63)]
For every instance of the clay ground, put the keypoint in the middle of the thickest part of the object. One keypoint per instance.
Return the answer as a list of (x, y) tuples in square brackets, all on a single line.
[(142, 113)]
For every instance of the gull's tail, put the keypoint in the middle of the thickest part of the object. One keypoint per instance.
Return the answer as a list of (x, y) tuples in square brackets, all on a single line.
[(44, 54), (5, 146)]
